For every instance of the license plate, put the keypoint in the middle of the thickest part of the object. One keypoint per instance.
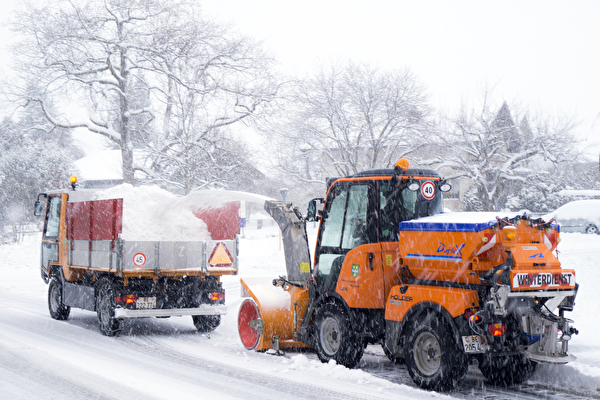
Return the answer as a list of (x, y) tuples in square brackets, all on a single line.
[(145, 302), (475, 344)]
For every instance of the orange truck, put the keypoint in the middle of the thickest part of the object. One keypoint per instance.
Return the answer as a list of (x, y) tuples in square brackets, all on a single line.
[(438, 291), (88, 264)]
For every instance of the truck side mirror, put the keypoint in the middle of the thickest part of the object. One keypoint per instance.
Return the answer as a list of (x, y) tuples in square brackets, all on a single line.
[(38, 208), (312, 215)]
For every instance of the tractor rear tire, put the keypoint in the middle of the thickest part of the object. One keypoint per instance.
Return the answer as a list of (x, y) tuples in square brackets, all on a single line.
[(206, 323), (506, 370), (57, 308), (105, 308), (433, 358), (335, 340)]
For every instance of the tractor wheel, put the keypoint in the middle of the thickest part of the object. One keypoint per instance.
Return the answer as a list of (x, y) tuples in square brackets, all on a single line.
[(506, 370), (249, 336), (335, 340), (592, 230), (206, 323), (105, 308), (55, 301), (433, 358)]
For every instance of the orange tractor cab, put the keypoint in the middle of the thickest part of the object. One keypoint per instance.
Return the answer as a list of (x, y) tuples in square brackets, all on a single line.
[(437, 290)]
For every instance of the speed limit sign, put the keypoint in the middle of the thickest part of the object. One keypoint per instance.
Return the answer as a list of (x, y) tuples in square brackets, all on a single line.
[(428, 190), (139, 259)]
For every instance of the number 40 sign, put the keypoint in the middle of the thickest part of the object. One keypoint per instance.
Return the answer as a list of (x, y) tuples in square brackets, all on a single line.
[(428, 190)]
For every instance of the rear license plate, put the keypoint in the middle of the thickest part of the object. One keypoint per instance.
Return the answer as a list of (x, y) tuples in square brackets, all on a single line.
[(475, 344), (145, 302)]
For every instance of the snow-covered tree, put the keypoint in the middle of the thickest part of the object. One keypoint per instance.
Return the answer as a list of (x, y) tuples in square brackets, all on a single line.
[(503, 159), (125, 61), (348, 118), (31, 161)]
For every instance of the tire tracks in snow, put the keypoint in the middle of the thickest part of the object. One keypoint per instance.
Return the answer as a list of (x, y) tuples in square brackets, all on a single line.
[(267, 386)]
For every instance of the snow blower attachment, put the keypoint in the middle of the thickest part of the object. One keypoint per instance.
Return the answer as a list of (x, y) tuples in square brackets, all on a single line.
[(271, 317), (438, 290)]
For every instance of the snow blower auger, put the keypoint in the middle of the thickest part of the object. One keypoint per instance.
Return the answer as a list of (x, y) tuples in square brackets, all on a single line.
[(438, 290)]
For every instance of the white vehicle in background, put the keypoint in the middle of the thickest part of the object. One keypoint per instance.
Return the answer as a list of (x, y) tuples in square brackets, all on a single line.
[(578, 216)]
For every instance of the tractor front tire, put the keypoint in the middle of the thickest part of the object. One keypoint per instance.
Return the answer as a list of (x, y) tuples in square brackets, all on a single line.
[(56, 306), (335, 340), (433, 358)]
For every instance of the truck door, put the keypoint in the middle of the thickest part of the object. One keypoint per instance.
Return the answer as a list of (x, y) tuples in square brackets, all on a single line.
[(347, 224), (50, 232)]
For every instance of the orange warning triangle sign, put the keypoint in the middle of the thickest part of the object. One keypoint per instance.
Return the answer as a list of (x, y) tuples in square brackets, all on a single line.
[(220, 256)]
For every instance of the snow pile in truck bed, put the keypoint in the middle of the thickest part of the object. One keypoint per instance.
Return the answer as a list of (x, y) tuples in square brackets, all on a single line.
[(153, 214), (206, 199)]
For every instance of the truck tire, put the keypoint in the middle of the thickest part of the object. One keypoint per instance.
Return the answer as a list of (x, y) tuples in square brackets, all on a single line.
[(592, 230), (335, 340), (55, 301), (433, 359), (105, 308), (506, 370), (206, 323)]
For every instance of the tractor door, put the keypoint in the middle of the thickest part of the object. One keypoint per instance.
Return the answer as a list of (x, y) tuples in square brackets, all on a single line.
[(51, 231), (349, 221)]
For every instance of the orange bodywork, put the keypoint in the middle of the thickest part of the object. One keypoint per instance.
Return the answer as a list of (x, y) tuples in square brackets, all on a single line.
[(276, 308), (460, 255), (453, 300)]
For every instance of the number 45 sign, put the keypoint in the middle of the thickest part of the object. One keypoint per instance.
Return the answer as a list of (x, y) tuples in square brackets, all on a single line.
[(139, 259)]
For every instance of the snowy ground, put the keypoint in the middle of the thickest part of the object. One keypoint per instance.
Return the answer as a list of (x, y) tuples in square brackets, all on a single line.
[(167, 358)]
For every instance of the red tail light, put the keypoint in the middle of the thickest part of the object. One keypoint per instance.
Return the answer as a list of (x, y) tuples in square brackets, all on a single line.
[(129, 298), (471, 315), (497, 329), (216, 296)]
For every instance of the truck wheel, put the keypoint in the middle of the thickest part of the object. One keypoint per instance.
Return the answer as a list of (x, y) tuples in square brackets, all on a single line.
[(206, 323), (433, 359), (592, 230), (105, 308), (506, 370), (55, 303), (335, 341)]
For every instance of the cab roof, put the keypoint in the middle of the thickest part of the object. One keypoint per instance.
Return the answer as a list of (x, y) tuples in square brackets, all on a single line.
[(385, 172)]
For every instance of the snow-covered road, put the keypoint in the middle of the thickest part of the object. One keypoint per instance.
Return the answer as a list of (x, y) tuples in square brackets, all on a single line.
[(41, 358)]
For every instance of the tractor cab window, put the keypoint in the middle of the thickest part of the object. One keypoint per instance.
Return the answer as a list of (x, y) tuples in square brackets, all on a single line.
[(345, 225), (398, 203)]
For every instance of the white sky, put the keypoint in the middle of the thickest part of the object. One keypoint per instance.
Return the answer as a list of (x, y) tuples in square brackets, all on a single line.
[(541, 54)]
